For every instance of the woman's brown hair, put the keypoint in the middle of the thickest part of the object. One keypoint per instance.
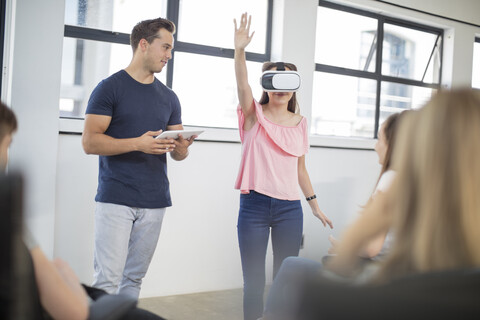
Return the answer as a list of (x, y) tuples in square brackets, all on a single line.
[(390, 128)]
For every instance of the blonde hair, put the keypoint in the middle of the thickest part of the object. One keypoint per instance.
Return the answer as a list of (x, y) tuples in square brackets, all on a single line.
[(435, 198)]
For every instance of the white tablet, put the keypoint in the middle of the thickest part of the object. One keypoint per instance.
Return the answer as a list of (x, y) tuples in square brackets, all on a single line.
[(173, 134)]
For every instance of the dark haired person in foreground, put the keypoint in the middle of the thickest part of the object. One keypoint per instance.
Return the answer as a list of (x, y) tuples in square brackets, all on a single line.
[(52, 288), (59, 292)]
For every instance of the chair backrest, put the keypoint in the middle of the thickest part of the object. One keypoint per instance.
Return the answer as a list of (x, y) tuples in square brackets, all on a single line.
[(8, 228), (436, 295), (19, 294)]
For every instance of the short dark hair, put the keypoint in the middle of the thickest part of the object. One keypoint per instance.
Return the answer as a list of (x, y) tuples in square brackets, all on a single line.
[(292, 103), (8, 121), (147, 29)]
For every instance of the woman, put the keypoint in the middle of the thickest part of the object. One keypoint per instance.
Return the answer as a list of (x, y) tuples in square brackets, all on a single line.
[(284, 293), (274, 142), (434, 203), (378, 247)]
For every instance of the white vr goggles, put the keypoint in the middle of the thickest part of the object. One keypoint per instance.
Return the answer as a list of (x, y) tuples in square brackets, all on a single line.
[(280, 80)]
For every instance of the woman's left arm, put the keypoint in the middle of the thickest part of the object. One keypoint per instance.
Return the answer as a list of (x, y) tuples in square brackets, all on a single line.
[(307, 189)]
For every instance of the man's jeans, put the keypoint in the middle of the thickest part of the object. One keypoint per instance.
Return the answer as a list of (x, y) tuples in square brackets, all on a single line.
[(125, 240)]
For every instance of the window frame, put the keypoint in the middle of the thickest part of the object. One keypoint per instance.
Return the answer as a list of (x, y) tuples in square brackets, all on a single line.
[(377, 75)]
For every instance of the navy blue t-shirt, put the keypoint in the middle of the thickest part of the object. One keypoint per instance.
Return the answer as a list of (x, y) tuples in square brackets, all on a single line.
[(134, 179)]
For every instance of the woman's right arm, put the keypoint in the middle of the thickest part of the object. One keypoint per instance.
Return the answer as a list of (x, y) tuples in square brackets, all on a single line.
[(242, 39), (374, 247), (371, 224)]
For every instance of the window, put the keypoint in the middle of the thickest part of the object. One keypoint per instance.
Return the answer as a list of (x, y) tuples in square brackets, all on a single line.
[(369, 68), (476, 64), (96, 44)]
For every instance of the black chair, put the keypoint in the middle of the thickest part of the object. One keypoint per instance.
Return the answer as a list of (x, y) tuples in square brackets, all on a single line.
[(435, 295), (19, 297), (111, 307)]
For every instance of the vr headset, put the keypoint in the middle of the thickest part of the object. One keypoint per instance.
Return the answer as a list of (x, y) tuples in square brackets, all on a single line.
[(280, 80)]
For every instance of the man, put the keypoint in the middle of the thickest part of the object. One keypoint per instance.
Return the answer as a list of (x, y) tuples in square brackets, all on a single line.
[(125, 113)]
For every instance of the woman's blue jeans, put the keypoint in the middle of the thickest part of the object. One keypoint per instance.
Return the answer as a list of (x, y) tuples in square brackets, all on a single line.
[(258, 215)]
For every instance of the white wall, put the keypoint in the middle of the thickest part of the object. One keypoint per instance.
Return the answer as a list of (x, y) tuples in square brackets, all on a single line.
[(34, 76), (198, 249)]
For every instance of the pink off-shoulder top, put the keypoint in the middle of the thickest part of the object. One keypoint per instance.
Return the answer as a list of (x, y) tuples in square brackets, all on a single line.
[(270, 153)]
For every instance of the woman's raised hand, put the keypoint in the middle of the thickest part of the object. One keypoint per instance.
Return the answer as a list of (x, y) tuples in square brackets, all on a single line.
[(242, 33)]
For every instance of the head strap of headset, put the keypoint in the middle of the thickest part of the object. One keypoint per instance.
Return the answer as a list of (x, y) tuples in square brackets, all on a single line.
[(280, 66)]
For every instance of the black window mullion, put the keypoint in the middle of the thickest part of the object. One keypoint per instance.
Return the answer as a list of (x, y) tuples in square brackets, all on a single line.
[(371, 75), (96, 34), (410, 82), (378, 72), (345, 71), (268, 40), (79, 62), (3, 13), (173, 11), (216, 51)]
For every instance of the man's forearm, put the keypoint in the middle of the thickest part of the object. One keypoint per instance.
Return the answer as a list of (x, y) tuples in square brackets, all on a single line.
[(104, 145)]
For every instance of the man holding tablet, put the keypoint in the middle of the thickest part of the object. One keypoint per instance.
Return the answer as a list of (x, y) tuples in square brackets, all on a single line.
[(125, 113)]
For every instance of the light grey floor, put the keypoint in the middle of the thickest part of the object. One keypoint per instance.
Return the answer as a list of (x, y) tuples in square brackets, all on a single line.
[(218, 305)]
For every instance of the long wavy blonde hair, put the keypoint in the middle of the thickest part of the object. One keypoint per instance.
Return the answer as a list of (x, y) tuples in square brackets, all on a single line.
[(435, 198)]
